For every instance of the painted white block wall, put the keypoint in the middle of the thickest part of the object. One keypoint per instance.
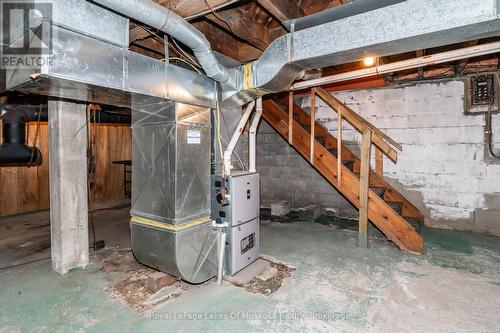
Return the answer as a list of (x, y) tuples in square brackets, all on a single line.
[(444, 168)]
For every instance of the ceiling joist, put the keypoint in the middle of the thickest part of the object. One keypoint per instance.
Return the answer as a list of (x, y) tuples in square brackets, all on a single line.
[(282, 10)]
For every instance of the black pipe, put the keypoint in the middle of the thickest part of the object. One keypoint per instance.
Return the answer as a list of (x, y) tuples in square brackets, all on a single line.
[(14, 151)]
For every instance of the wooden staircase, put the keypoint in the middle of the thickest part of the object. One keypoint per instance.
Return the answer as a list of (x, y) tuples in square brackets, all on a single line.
[(365, 188)]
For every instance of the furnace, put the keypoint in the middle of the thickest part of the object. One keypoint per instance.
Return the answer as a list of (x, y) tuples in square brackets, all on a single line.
[(236, 202)]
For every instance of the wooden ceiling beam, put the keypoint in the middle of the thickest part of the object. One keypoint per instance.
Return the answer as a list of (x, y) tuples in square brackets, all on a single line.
[(188, 8), (226, 44), (243, 26), (282, 10)]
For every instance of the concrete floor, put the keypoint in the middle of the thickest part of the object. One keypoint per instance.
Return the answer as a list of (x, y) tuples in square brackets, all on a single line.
[(454, 287)]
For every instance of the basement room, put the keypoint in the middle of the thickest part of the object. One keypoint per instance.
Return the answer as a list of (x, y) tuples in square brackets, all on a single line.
[(250, 166)]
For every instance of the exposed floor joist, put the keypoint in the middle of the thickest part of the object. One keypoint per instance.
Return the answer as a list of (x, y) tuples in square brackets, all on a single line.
[(282, 10)]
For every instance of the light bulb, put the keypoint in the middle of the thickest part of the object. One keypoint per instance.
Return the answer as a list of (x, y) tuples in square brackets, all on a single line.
[(369, 61)]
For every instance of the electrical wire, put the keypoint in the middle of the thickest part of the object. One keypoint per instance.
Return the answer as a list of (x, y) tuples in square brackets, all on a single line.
[(90, 140), (489, 120), (235, 153), (23, 263), (35, 139), (184, 53), (217, 106), (227, 129), (175, 46), (222, 19), (185, 62)]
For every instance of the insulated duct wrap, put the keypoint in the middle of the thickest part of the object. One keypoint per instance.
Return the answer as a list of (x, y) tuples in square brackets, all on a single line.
[(171, 227)]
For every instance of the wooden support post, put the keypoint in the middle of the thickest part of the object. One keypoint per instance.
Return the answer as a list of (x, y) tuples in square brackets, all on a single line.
[(290, 117), (339, 148), (313, 116), (379, 162), (68, 185), (364, 184)]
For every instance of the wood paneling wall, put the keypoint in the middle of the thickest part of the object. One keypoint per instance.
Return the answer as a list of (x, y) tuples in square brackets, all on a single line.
[(27, 189)]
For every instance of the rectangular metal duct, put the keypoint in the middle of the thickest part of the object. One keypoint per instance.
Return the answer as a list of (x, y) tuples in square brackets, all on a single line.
[(171, 168), (401, 27), (90, 61), (171, 203)]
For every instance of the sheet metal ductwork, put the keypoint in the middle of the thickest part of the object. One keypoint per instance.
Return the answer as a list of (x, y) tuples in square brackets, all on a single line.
[(165, 20), (171, 228), (13, 150), (334, 38), (340, 35)]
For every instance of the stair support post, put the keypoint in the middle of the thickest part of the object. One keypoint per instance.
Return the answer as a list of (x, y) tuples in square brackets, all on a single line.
[(379, 162), (290, 117), (364, 185), (313, 116), (339, 149)]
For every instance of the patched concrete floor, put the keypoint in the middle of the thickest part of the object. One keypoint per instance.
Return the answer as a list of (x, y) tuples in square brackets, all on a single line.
[(454, 287)]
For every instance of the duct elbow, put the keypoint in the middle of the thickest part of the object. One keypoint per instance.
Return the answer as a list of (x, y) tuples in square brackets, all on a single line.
[(163, 19), (13, 150), (19, 155)]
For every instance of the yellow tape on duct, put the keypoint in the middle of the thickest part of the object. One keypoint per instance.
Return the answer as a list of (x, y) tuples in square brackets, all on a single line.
[(169, 227), (248, 81)]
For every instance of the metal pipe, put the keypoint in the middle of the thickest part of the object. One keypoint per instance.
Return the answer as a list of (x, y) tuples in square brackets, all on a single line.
[(468, 52), (222, 249), (13, 148), (252, 135), (163, 19), (234, 139)]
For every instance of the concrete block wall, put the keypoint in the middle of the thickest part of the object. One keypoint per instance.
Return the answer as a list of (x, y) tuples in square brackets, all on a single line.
[(285, 175), (444, 168)]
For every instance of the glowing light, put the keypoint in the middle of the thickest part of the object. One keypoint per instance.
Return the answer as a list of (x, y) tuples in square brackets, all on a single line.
[(369, 61)]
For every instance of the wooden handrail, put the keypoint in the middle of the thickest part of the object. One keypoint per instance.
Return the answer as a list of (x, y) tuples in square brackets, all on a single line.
[(370, 135), (313, 120), (379, 138), (336, 104), (290, 117)]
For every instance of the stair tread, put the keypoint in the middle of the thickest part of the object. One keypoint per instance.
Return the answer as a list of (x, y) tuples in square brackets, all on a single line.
[(409, 242), (393, 202), (349, 164), (333, 151), (416, 223), (380, 191), (396, 205), (320, 139)]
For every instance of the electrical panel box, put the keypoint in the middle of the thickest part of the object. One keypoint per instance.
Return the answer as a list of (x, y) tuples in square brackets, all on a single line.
[(236, 201), (481, 94), (483, 89)]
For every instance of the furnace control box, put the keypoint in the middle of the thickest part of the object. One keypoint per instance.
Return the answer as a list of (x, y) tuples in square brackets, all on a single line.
[(236, 201)]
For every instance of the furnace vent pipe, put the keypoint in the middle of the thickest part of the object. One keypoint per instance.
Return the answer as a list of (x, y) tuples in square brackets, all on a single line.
[(163, 19), (234, 140), (253, 135), (13, 150)]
